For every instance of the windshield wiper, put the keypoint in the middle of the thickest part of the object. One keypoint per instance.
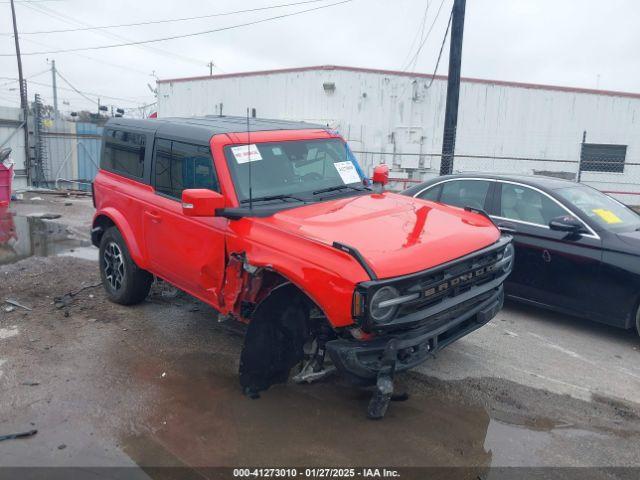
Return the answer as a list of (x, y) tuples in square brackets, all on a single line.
[(340, 187), (272, 197)]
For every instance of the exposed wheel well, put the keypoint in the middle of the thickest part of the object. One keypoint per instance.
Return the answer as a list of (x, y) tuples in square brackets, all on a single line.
[(100, 225), (275, 282)]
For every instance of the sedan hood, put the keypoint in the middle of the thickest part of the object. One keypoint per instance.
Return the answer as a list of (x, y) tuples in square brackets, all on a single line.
[(396, 235)]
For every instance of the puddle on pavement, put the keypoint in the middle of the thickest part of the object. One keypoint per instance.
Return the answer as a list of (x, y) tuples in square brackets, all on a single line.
[(22, 237), (199, 418)]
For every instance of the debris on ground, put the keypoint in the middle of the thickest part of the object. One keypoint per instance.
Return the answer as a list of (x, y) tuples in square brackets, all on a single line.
[(17, 304), (66, 299), (9, 308), (16, 436), (30, 384), (44, 216)]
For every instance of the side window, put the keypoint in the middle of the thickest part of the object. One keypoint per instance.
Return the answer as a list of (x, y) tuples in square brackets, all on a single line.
[(432, 194), (124, 152), (162, 166), (179, 166), (465, 193), (527, 205)]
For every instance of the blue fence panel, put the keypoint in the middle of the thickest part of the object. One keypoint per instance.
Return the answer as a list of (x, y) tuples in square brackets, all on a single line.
[(88, 150)]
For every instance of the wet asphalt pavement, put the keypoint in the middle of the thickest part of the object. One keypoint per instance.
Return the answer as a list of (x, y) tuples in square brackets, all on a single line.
[(156, 384)]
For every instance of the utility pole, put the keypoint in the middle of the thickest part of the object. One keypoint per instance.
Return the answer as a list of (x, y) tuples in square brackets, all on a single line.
[(453, 88), (211, 65), (24, 102), (55, 88)]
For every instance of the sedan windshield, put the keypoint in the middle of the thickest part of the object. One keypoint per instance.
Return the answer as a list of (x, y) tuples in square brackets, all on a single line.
[(601, 209), (295, 170)]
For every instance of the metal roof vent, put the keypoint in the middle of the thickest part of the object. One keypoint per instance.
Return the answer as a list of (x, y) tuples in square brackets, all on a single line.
[(329, 87)]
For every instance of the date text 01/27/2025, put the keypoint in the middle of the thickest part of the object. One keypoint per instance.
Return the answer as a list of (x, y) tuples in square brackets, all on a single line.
[(315, 473)]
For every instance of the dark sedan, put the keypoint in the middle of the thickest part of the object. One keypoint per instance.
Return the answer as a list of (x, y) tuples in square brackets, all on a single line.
[(577, 249)]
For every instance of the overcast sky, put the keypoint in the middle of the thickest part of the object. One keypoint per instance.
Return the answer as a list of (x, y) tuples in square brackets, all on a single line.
[(582, 43)]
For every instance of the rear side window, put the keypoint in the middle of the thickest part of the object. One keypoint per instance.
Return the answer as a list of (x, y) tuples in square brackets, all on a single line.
[(465, 193), (179, 166), (124, 152)]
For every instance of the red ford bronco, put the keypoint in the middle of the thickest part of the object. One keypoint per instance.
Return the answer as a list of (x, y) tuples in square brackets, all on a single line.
[(272, 223)]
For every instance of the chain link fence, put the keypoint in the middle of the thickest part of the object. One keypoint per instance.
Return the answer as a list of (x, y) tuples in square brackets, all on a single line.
[(607, 166), (69, 158)]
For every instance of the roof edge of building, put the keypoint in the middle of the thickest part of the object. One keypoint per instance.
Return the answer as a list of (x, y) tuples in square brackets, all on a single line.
[(504, 83)]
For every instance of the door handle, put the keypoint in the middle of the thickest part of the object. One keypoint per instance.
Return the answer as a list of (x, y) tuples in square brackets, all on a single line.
[(155, 218), (506, 227)]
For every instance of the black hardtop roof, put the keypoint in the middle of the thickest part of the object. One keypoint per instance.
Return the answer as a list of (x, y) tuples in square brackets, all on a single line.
[(201, 129)]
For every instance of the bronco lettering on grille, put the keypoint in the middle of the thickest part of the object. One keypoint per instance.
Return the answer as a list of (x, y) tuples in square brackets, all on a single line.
[(458, 281)]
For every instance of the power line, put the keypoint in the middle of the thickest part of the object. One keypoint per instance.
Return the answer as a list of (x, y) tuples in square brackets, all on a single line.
[(94, 59), (419, 33), (71, 21), (81, 92), (14, 80), (414, 59), (75, 89), (444, 40), (170, 20), (175, 37)]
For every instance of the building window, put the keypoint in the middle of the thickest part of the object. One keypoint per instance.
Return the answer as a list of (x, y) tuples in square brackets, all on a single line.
[(180, 166), (600, 157), (124, 152)]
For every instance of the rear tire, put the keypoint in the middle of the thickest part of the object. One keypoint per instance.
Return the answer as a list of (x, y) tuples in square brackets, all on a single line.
[(638, 321), (124, 282)]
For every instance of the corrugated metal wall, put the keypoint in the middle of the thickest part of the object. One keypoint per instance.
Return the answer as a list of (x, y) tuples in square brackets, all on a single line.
[(89, 145), (11, 135), (73, 150), (61, 147)]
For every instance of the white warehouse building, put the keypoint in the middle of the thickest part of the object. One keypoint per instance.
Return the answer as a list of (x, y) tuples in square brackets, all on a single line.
[(397, 118)]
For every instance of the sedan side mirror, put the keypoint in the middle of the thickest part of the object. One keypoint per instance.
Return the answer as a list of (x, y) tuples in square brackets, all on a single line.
[(566, 223), (381, 174), (200, 202)]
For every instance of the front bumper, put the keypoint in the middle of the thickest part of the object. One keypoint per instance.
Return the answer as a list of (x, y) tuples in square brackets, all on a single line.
[(360, 361)]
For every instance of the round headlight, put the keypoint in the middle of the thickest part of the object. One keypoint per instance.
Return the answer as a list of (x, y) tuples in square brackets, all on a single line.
[(381, 313)]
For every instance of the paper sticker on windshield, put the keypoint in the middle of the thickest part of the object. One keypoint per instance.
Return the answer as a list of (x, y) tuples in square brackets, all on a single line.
[(607, 215), (246, 153), (348, 172)]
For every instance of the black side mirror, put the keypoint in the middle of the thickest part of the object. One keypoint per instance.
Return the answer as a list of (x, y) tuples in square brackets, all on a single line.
[(566, 223)]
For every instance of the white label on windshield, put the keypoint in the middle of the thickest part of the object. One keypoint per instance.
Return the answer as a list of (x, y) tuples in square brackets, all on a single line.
[(348, 172), (246, 153)]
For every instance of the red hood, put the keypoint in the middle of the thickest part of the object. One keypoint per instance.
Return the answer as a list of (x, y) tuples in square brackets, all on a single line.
[(396, 234)]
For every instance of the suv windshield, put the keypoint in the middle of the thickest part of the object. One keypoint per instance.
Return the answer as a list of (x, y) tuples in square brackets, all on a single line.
[(601, 209), (299, 170)]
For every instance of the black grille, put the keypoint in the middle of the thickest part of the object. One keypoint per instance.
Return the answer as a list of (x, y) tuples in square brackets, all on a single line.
[(452, 281)]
